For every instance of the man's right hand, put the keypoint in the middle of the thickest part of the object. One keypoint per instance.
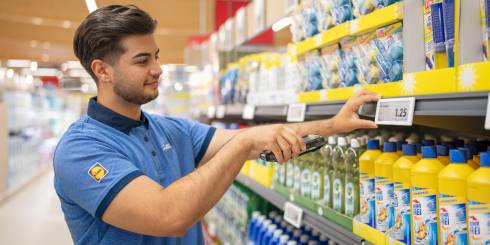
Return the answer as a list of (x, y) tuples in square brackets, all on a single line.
[(280, 139)]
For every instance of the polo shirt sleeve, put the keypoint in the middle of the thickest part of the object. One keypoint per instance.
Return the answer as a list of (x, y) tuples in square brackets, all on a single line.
[(91, 173), (201, 135)]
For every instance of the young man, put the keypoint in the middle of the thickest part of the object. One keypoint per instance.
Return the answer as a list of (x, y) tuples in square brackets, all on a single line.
[(127, 177)]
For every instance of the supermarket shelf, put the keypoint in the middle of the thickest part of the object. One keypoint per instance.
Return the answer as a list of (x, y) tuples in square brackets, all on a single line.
[(453, 104), (331, 230)]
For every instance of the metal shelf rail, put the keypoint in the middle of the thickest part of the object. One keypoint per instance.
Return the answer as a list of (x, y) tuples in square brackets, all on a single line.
[(334, 232)]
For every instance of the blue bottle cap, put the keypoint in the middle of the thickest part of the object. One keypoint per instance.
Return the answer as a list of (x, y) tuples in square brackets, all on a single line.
[(429, 152), (467, 152), (399, 145), (457, 156), (409, 150), (427, 142), (449, 145), (373, 145), (459, 143), (389, 146), (484, 159), (442, 150), (418, 146), (473, 148)]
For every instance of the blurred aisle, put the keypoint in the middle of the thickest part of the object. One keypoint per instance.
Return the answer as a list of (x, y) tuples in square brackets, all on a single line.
[(34, 216)]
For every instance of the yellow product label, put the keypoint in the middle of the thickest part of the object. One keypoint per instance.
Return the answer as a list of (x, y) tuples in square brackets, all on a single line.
[(479, 222), (452, 219), (424, 216)]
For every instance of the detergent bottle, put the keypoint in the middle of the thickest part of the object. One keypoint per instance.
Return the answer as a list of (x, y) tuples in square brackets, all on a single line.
[(452, 199), (424, 197), (366, 185), (443, 154), (401, 178), (479, 202), (469, 157), (383, 172), (338, 162)]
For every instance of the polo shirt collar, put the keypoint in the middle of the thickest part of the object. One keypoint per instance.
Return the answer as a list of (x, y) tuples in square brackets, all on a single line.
[(112, 118)]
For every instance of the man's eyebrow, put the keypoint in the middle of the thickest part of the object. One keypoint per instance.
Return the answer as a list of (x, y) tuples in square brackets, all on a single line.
[(145, 54)]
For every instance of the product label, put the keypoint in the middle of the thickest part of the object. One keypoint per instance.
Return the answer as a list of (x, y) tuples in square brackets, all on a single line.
[(452, 216), (424, 216), (366, 191), (384, 204), (306, 183), (337, 194), (297, 178), (479, 222), (289, 174), (438, 25), (428, 36), (349, 199), (316, 186), (485, 19), (401, 228), (326, 189)]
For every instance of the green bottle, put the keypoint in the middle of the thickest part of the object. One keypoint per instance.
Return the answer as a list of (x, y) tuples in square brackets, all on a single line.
[(338, 162), (317, 176), (297, 174), (307, 163), (290, 174), (328, 172), (352, 178)]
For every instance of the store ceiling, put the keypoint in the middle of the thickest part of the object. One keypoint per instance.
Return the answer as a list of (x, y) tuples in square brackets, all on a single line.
[(42, 30)]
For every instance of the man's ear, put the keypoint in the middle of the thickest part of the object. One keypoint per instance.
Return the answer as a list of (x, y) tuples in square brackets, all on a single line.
[(102, 70)]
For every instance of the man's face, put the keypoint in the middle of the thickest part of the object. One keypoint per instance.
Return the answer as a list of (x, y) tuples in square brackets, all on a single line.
[(137, 72)]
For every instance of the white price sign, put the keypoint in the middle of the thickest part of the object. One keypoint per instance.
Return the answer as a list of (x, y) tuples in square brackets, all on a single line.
[(293, 214), (296, 113), (248, 112), (220, 112), (397, 111), (487, 118), (211, 112)]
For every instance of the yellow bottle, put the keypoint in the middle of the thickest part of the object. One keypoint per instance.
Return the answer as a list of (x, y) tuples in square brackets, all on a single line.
[(366, 188), (401, 177), (424, 197), (452, 199), (383, 171), (469, 158), (479, 202), (443, 154)]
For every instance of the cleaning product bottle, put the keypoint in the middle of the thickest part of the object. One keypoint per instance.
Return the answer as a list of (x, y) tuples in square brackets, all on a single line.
[(328, 174), (290, 174), (443, 154), (366, 186), (383, 171), (306, 175), (338, 162), (401, 177), (352, 178), (424, 197), (479, 202), (452, 199), (469, 157), (298, 166), (317, 176)]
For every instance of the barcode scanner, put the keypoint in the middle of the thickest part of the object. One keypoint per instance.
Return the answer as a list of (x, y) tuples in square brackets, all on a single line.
[(312, 142)]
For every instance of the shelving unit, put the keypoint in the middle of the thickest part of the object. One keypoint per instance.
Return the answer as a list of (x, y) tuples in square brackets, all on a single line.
[(333, 231)]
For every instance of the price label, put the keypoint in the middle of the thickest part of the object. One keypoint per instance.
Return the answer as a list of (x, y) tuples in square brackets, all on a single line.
[(296, 113), (487, 118), (248, 112), (398, 111), (211, 112), (293, 214), (220, 112)]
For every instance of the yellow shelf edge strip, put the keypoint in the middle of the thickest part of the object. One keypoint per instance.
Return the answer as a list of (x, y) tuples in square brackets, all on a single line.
[(379, 18)]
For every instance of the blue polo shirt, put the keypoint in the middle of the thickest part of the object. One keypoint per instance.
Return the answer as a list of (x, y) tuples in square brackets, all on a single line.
[(103, 151)]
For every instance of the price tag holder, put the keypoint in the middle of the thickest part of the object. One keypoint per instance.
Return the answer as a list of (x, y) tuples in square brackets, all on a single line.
[(487, 118), (220, 112), (397, 111), (296, 113), (248, 112), (293, 214), (211, 113)]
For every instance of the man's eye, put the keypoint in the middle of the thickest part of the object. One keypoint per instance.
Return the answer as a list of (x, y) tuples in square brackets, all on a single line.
[(142, 61)]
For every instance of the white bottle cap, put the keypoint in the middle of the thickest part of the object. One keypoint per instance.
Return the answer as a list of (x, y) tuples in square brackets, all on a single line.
[(354, 143), (284, 239), (341, 141), (331, 140), (255, 214), (292, 243), (277, 232)]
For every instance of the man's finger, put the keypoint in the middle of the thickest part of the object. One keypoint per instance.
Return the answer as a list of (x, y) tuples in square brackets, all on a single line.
[(362, 123), (364, 99), (294, 141), (285, 147), (277, 152)]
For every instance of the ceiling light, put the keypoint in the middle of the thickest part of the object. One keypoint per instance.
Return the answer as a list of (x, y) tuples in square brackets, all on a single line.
[(178, 86), (37, 21), (33, 66), (10, 73), (40, 72), (19, 63), (66, 24), (45, 57), (46, 45), (33, 43), (91, 5), (281, 24)]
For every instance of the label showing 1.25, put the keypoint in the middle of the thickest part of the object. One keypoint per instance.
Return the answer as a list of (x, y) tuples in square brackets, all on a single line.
[(397, 111)]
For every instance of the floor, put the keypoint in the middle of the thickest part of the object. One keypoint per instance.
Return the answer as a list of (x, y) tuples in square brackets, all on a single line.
[(33, 216)]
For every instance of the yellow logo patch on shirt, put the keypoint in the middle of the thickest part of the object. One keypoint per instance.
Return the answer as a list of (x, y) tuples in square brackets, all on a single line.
[(97, 172)]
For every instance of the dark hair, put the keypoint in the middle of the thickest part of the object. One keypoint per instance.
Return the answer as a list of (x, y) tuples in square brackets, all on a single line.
[(100, 34)]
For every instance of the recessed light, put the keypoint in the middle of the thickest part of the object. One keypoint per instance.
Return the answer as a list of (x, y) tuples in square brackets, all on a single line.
[(46, 45), (45, 58), (33, 43), (37, 21), (66, 24)]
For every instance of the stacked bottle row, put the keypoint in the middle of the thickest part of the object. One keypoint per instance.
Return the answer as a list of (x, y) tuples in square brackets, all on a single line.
[(423, 195), (273, 230)]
